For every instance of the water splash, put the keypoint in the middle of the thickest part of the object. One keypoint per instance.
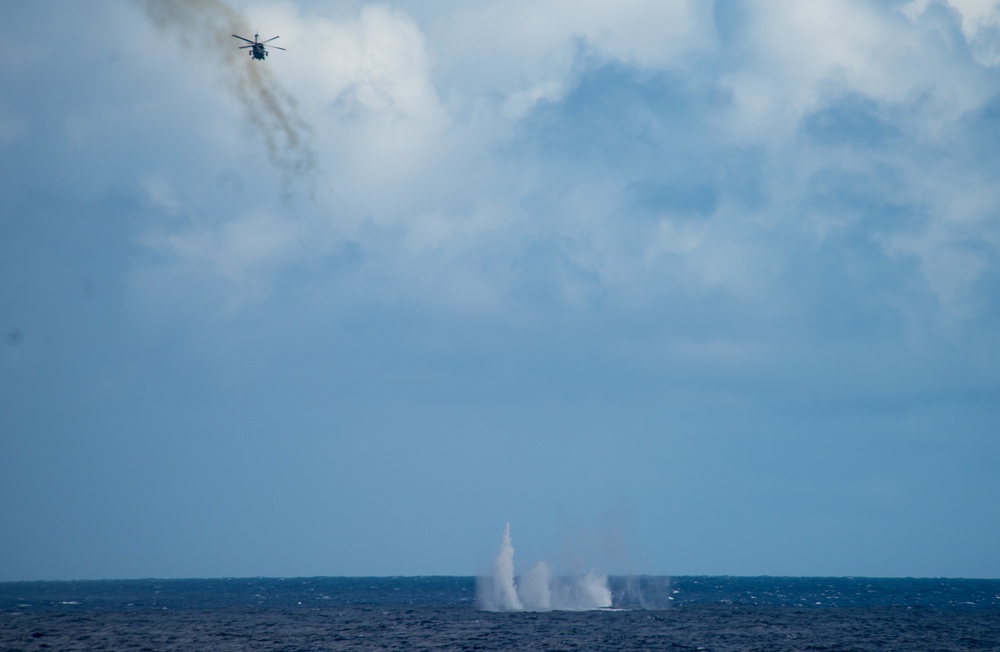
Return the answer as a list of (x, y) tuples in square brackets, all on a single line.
[(539, 589), (536, 586), (504, 592)]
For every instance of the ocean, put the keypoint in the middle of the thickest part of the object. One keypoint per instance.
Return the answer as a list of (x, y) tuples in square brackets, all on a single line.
[(456, 613)]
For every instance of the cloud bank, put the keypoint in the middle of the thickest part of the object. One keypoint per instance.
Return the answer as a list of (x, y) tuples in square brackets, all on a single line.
[(814, 173)]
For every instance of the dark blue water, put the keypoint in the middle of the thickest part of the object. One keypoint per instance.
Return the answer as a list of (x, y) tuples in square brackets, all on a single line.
[(403, 613)]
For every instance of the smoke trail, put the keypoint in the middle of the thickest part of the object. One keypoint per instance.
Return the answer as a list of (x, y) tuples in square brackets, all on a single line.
[(208, 24)]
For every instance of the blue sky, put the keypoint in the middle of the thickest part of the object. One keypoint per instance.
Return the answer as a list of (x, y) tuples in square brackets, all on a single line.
[(673, 287)]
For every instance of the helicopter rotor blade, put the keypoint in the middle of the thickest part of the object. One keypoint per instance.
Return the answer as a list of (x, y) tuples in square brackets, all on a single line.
[(269, 40), (244, 39), (244, 47), (275, 47)]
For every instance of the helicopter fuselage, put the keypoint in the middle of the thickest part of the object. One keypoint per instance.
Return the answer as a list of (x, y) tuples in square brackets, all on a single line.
[(256, 48)]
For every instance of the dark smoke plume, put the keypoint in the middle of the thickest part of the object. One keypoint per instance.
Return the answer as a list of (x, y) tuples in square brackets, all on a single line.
[(208, 26)]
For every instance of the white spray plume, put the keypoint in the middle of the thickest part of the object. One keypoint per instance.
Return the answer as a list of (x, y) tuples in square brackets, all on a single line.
[(536, 587), (539, 589), (504, 592)]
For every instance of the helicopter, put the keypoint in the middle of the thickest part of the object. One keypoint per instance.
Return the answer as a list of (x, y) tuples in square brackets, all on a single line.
[(257, 49)]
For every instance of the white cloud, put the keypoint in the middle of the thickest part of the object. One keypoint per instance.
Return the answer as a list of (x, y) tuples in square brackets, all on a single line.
[(161, 195), (239, 257), (799, 53), (374, 66), (949, 268), (980, 20), (507, 47)]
